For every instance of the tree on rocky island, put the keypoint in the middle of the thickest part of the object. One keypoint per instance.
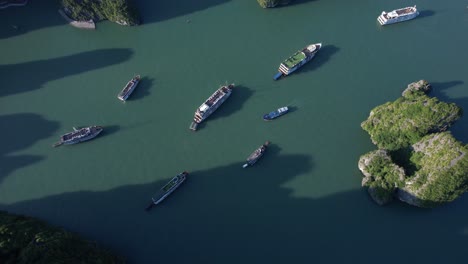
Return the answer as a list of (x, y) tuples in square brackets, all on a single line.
[(118, 11), (28, 240), (272, 3), (416, 162)]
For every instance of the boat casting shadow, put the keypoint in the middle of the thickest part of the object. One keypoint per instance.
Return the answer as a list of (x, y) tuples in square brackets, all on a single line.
[(19, 132), (323, 56), (440, 90), (42, 71), (232, 215), (142, 90)]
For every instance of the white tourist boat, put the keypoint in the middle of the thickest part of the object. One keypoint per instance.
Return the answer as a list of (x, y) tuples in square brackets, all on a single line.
[(129, 88), (398, 15), (211, 104)]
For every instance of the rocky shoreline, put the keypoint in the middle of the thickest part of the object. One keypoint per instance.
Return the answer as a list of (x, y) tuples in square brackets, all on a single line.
[(78, 24)]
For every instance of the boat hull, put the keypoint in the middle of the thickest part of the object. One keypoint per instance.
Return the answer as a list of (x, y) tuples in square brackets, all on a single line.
[(163, 194), (95, 133), (256, 155), (208, 108), (393, 17), (124, 94), (275, 114)]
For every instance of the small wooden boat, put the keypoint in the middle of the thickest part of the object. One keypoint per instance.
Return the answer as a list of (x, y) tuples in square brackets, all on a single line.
[(256, 155)]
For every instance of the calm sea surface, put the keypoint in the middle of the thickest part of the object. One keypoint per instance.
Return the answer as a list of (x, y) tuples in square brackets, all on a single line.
[(302, 203)]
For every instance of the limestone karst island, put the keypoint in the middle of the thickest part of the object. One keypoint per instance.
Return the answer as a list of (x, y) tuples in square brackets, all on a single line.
[(418, 160)]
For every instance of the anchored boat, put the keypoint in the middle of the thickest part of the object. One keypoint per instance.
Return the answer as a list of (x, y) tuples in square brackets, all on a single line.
[(79, 135), (297, 60), (167, 189), (211, 104), (129, 88), (277, 113), (398, 15), (256, 155)]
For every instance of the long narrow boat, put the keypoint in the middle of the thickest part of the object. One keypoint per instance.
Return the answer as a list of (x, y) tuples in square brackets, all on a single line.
[(297, 60), (211, 104), (79, 135), (129, 88), (256, 155), (398, 15), (167, 189)]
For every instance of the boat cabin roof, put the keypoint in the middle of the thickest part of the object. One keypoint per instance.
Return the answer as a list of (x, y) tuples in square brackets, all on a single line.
[(203, 107)]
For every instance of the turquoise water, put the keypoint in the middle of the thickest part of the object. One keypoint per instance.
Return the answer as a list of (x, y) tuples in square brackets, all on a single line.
[(301, 203)]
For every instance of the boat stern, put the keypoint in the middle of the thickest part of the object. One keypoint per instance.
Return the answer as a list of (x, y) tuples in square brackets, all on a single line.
[(277, 76)]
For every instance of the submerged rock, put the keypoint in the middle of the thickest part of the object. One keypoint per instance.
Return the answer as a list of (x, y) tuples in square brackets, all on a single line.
[(272, 3)]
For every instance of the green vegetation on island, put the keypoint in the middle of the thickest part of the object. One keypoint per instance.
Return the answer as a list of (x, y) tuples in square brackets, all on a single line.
[(416, 162), (272, 3), (118, 11), (28, 240)]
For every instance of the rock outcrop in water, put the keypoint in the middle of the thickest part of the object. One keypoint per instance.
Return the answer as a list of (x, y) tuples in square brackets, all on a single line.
[(416, 162), (27, 240), (118, 11), (272, 3)]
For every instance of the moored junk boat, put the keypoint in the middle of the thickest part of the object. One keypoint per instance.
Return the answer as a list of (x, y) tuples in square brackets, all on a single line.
[(256, 155), (79, 135), (297, 60), (167, 189), (277, 113), (129, 88), (211, 104), (398, 15)]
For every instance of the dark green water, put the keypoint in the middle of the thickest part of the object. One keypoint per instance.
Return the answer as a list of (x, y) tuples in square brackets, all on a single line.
[(302, 203)]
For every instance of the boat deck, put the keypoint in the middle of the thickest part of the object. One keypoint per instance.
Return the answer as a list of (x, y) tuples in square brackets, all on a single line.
[(294, 59)]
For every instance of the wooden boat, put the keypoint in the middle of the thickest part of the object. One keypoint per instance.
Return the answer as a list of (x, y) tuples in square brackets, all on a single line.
[(256, 155)]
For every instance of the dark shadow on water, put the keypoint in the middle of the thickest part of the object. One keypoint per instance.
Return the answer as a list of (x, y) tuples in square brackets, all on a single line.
[(232, 215), (157, 10), (425, 13), (234, 103), (439, 90), (109, 130), (322, 57), (29, 76), (143, 89), (18, 20), (18, 132), (292, 109), (297, 2)]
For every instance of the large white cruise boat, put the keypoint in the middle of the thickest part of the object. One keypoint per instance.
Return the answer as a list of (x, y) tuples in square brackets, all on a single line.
[(211, 104), (398, 15)]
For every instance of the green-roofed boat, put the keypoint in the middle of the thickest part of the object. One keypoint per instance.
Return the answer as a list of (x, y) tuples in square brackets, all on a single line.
[(297, 60)]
